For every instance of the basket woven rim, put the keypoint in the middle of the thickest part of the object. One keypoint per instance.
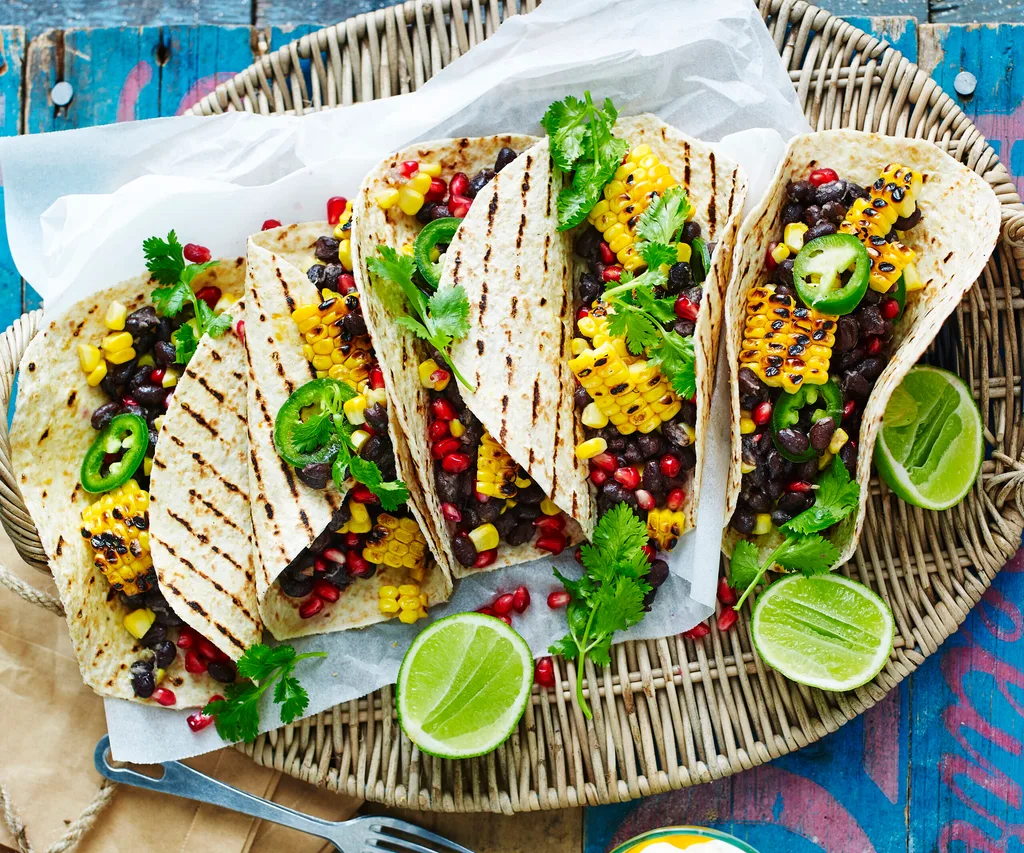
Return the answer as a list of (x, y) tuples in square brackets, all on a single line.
[(670, 712)]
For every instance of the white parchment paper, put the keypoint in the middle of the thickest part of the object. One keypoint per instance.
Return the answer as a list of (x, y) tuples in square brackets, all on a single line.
[(80, 203)]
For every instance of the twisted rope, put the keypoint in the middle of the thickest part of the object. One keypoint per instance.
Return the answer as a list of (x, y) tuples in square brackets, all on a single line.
[(76, 831), (30, 593)]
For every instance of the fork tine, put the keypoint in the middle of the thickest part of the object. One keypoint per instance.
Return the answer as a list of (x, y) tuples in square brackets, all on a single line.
[(405, 837)]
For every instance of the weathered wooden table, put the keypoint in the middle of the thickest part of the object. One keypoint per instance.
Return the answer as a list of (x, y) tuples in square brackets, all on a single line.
[(940, 764)]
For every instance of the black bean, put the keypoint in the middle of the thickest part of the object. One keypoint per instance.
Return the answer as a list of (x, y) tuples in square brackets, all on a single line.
[(795, 502), (691, 231), (783, 274), (295, 586), (532, 494), (905, 223), (586, 245), (521, 534), (743, 521), (792, 212), (105, 414), (440, 211), (464, 550), (687, 458), (854, 385), (792, 440), (448, 485), (590, 289), (479, 182), (813, 214), (847, 334), (426, 213), (315, 475), (326, 249), (377, 417), (871, 320), (674, 432), (652, 479), (528, 512), (684, 328), (163, 353), (134, 409), (143, 680), (316, 274), (154, 635), (758, 501), (505, 524), (374, 449), (854, 192), (774, 488), (821, 433), (785, 290), (806, 471), (848, 360), (680, 276), (777, 464), (780, 517), (144, 321), (616, 493), (223, 671), (580, 397), (337, 574), (833, 211), (332, 272), (164, 653), (488, 512), (651, 444), (750, 384), (150, 394), (822, 229), (505, 156), (617, 442), (354, 324), (633, 454), (833, 191), (166, 329), (801, 191), (658, 573), (871, 297), (848, 454), (871, 368)]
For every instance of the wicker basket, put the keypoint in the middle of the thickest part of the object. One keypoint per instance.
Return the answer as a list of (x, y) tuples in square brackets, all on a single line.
[(670, 712)]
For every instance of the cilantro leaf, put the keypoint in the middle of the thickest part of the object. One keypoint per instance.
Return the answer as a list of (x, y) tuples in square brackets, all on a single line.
[(219, 325), (237, 716), (657, 254), (168, 301), (837, 496), (185, 342), (811, 555), (292, 698), (314, 432), (565, 123), (639, 330), (664, 219), (164, 258), (259, 661), (676, 358), (449, 312), (744, 569), (392, 494)]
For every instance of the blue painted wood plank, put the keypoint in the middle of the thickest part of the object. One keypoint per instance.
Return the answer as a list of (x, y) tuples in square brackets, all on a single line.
[(12, 52), (970, 11), (195, 60), (900, 32)]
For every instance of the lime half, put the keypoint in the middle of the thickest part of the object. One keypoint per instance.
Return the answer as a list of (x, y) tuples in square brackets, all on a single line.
[(931, 444), (824, 631), (463, 685)]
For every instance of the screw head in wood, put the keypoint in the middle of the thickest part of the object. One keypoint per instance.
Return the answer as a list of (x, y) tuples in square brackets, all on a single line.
[(62, 93), (965, 83)]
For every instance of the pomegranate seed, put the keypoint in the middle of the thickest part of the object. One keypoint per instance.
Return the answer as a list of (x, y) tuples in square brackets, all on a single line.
[(848, 408), (801, 486), (346, 284), (357, 565), (762, 413), (544, 672), (607, 255), (194, 664), (376, 377), (440, 449), (210, 295), (199, 721), (699, 630), (769, 258), (822, 176), (486, 611), (352, 540), (598, 477), (157, 374), (438, 190), (650, 552), (458, 206), (577, 555), (627, 476), (196, 254), (441, 409), (485, 558), (437, 429), (310, 607), (320, 564), (504, 618), (675, 499), (168, 397), (440, 375), (612, 273), (727, 618), (874, 346), (558, 599), (451, 513), (726, 594), (408, 168), (240, 329), (269, 223), (553, 543), (645, 500), (685, 309), (583, 312), (326, 590), (503, 604), (521, 599), (186, 638), (669, 465), (164, 696), (207, 649), (458, 184), (456, 463), (362, 495), (890, 308), (481, 497), (605, 461), (550, 523), (128, 401)]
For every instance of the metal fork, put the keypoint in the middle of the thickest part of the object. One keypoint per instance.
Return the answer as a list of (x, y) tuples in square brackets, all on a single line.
[(366, 834)]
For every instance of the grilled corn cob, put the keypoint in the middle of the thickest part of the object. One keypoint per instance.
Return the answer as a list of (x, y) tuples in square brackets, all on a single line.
[(665, 526), (117, 528), (397, 542), (636, 183), (496, 471), (783, 345), (324, 346)]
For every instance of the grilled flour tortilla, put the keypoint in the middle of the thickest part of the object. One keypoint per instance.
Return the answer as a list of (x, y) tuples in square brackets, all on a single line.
[(958, 231), (49, 437), (287, 514), (200, 529)]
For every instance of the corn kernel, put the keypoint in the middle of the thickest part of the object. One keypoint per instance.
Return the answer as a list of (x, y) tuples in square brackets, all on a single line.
[(683, 253), (117, 342), (587, 326), (485, 537), (360, 521), (138, 622), (456, 428), (355, 410), (345, 254), (419, 182), (794, 236), (408, 589), (388, 592), (825, 460), (115, 316), (746, 467), (593, 417), (762, 524), (359, 438), (121, 356), (432, 169), (97, 375), (388, 605), (147, 465), (410, 201), (146, 360), (747, 426), (780, 253), (409, 602), (170, 379), (408, 617), (89, 357), (549, 507), (426, 370), (591, 448), (839, 438), (579, 346), (911, 278), (386, 199)]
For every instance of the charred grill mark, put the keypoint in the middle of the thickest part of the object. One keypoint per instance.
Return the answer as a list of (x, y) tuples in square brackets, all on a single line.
[(480, 347), (45, 435), (732, 191), (199, 419), (554, 468), (198, 608), (504, 424), (686, 164), (519, 234), (492, 209), (213, 508), (482, 305), (305, 521), (71, 398), (536, 398), (514, 303), (547, 195), (945, 260), (711, 201), (285, 291), (509, 368), (60, 546), (547, 246), (213, 391), (202, 537)]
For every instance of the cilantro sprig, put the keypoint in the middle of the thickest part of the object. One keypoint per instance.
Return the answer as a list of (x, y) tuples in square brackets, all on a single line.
[(610, 595), (440, 319), (165, 261), (237, 716), (582, 143)]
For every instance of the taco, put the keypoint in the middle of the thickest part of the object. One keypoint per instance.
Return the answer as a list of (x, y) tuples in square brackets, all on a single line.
[(338, 512), (486, 508), (845, 273), (94, 390)]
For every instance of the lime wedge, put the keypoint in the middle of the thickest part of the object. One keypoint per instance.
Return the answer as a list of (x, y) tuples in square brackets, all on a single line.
[(824, 631), (463, 685), (931, 444)]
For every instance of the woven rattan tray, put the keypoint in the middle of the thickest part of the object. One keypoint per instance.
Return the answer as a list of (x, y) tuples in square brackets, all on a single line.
[(670, 712)]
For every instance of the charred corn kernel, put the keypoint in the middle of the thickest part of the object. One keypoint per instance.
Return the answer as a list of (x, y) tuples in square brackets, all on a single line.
[(762, 523), (825, 460), (590, 448), (432, 169), (747, 426), (456, 428), (170, 379), (147, 465), (398, 543), (323, 347), (418, 574), (665, 526), (117, 528), (793, 236), (485, 537), (746, 467), (911, 278), (386, 199), (636, 182), (419, 182), (839, 438), (593, 417), (115, 316), (888, 260), (355, 410), (138, 622), (342, 228), (780, 253), (116, 342), (549, 507), (496, 471), (359, 520), (89, 357), (97, 375), (683, 253), (784, 345), (899, 188), (359, 438), (409, 200)]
